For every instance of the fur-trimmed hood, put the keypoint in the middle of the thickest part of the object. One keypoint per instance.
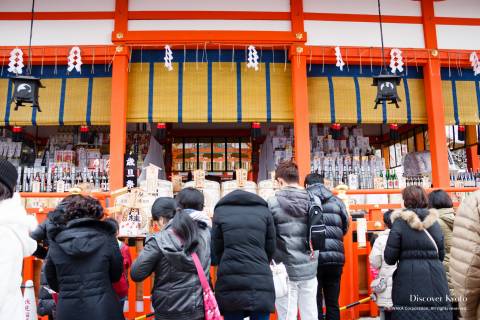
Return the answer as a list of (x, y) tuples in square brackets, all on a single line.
[(418, 219)]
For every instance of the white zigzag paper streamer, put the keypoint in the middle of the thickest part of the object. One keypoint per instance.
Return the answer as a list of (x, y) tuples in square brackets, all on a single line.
[(168, 58), (396, 60), (475, 63), (340, 63), (16, 61), (252, 58), (75, 60)]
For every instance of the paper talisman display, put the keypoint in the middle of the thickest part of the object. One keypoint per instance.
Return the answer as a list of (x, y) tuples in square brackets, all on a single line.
[(242, 177), (177, 183), (134, 218), (152, 179)]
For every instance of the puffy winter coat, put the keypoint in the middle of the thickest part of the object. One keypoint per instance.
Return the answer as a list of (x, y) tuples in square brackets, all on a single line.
[(177, 293), (83, 261), (289, 208), (335, 217), (420, 285), (465, 257), (46, 305), (384, 299), (15, 226), (243, 236), (447, 217)]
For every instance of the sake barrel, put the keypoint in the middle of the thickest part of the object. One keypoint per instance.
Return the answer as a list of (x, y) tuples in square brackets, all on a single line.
[(165, 188), (229, 186), (267, 188), (211, 192)]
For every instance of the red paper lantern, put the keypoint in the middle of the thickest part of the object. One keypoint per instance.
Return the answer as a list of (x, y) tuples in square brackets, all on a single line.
[(17, 129), (461, 133)]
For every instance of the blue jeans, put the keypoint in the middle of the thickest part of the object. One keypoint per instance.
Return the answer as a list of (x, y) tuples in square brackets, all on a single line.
[(241, 315)]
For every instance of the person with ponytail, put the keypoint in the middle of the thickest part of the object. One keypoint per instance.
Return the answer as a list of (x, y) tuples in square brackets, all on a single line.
[(177, 292)]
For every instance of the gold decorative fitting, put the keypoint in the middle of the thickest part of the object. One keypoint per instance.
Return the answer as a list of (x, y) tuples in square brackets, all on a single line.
[(299, 49), (119, 49), (435, 53), (299, 36), (119, 35)]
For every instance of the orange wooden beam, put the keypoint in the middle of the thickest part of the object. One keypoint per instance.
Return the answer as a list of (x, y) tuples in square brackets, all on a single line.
[(434, 101), (212, 37), (207, 15), (48, 55), (301, 122), (457, 21), (81, 15), (367, 55), (344, 17), (297, 16)]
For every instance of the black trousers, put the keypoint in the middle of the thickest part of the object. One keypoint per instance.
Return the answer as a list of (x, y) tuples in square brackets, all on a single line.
[(329, 289)]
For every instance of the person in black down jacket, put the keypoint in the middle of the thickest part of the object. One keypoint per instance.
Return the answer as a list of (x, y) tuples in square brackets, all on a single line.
[(243, 237), (83, 261), (332, 259), (46, 304), (420, 288), (177, 293), (289, 208)]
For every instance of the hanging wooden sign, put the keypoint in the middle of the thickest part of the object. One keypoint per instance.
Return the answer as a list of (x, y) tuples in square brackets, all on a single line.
[(130, 179)]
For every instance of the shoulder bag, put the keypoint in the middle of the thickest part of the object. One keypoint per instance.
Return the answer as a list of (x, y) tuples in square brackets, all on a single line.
[(212, 312)]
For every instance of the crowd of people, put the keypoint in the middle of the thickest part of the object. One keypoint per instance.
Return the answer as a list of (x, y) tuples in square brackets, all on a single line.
[(425, 263)]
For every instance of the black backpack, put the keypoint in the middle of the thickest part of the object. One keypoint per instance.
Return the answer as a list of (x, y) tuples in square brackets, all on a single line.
[(316, 227)]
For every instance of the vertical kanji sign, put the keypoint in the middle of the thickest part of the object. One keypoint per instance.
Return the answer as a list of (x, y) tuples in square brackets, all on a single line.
[(130, 171)]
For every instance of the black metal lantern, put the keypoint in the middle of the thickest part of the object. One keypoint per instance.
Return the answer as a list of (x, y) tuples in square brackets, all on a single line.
[(25, 90), (386, 83), (387, 89)]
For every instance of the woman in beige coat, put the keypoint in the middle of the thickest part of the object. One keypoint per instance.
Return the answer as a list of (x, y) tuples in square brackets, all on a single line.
[(465, 257), (385, 273)]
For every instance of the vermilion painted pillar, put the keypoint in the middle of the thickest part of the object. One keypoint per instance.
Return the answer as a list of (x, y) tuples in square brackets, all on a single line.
[(301, 121), (118, 125), (434, 101), (471, 143), (436, 124)]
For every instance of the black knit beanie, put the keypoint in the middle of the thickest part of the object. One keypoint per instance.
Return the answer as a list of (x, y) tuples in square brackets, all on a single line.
[(8, 175)]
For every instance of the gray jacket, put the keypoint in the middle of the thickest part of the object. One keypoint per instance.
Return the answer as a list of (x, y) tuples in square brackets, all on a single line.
[(289, 208), (176, 293)]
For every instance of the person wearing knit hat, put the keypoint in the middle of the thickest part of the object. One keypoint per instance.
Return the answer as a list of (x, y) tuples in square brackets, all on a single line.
[(8, 176), (15, 226)]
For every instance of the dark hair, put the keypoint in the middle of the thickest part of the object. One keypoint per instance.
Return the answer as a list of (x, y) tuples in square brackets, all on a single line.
[(439, 199), (190, 198), (164, 207), (187, 230), (288, 171), (5, 192), (414, 197), (79, 206), (312, 178), (387, 218), (114, 223), (373, 238)]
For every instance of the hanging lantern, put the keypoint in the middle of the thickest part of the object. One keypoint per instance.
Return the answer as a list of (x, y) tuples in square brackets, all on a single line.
[(461, 133), (386, 89), (256, 130), (386, 83), (17, 133), (394, 135), (161, 133), (84, 130), (336, 131), (25, 90)]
